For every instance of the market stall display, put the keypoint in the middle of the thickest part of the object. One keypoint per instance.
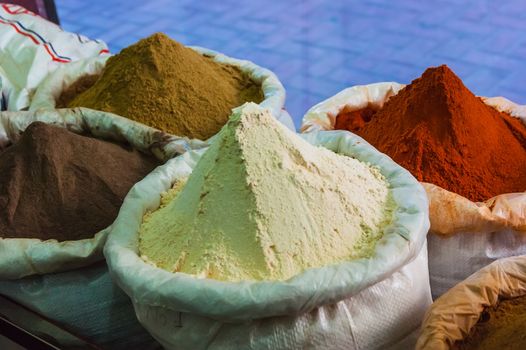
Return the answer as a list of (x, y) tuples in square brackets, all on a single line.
[(223, 228)]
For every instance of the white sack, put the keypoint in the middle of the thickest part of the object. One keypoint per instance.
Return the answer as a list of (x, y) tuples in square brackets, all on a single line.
[(464, 235), (86, 303), (22, 257), (452, 316), (30, 48), (274, 92), (362, 304)]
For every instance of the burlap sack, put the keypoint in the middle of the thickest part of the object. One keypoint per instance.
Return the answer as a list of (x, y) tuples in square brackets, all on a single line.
[(451, 316), (464, 235), (51, 88), (374, 303), (22, 257)]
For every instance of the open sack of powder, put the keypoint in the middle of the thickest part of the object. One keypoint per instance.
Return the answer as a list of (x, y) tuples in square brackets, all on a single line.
[(465, 234), (33, 47), (240, 276), (47, 154), (455, 315), (186, 91)]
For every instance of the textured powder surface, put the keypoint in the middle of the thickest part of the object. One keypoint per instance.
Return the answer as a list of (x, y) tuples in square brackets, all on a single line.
[(82, 84), (55, 184), (161, 83), (499, 327), (263, 204), (443, 134), (354, 120)]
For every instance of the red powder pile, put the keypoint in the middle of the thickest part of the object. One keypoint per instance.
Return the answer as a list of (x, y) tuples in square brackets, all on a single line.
[(443, 134), (354, 120)]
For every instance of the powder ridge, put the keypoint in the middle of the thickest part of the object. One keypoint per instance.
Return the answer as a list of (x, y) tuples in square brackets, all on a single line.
[(264, 204), (55, 184), (161, 83), (79, 86), (443, 134)]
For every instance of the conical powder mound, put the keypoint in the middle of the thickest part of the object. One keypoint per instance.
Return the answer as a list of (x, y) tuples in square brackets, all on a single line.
[(264, 204), (445, 135), (161, 83), (55, 184)]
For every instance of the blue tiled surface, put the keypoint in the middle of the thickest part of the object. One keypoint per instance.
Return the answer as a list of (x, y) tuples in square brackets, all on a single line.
[(319, 47)]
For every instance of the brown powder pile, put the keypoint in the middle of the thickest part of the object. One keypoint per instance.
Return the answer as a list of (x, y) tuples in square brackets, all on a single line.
[(443, 134), (57, 184), (161, 83), (499, 327), (82, 84)]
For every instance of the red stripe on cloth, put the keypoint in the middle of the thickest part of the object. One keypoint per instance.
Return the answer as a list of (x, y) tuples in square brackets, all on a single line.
[(56, 59), (53, 56), (20, 32), (18, 10)]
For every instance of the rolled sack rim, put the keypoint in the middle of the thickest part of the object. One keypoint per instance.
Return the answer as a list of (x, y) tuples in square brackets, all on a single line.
[(20, 257), (274, 93), (239, 301), (46, 94), (487, 216), (452, 316)]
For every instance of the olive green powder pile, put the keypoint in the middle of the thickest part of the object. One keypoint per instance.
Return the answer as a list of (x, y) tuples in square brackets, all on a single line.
[(163, 84)]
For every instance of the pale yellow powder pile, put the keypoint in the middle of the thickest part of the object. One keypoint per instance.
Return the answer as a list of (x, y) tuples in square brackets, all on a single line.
[(263, 204)]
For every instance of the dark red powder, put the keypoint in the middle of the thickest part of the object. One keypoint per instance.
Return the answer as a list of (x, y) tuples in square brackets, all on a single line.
[(443, 134), (354, 120)]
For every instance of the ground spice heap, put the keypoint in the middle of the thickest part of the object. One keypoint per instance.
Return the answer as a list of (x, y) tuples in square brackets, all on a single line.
[(354, 120), (79, 86), (264, 204), (161, 83), (500, 327), (55, 184), (443, 134)]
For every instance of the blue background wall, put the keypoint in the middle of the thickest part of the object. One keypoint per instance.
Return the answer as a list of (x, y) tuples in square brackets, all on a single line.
[(319, 47)]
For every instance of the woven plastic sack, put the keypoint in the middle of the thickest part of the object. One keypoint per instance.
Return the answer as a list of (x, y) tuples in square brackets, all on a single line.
[(452, 316), (52, 87), (30, 48), (374, 303), (464, 235), (84, 302), (21, 257)]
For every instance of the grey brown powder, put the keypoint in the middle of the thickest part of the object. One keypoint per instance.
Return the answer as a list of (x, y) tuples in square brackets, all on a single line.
[(55, 184)]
